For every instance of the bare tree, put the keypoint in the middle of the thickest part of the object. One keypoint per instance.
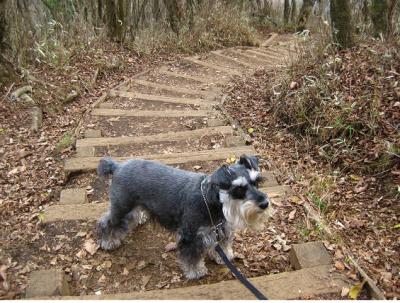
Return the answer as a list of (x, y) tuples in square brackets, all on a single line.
[(379, 13), (304, 14), (286, 12), (391, 10), (341, 23), (293, 12)]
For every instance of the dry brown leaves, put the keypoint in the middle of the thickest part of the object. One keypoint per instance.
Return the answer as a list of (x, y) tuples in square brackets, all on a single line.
[(359, 182)]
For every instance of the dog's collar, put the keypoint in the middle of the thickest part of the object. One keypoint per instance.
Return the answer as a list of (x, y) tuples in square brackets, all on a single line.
[(217, 229)]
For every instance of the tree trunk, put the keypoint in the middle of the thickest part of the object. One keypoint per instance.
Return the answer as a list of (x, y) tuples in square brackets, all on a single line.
[(111, 18), (391, 10), (120, 25), (286, 12), (293, 12), (6, 69), (156, 10), (304, 14), (341, 23), (173, 14), (365, 12), (379, 13)]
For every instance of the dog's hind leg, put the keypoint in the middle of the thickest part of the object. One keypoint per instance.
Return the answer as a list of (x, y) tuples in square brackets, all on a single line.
[(113, 226), (191, 254)]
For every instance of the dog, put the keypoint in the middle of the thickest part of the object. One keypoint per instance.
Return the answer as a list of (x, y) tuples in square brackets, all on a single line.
[(187, 203)]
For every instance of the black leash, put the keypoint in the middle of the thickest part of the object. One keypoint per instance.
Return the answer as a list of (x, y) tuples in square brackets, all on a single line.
[(219, 250), (238, 275)]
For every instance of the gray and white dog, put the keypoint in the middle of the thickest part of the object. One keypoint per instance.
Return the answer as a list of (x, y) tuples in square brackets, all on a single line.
[(178, 200)]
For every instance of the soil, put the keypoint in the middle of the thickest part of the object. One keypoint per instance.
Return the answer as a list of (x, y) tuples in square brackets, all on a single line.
[(126, 126), (206, 142), (128, 103)]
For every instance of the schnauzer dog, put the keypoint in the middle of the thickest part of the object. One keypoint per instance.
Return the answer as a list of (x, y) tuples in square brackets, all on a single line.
[(190, 204)]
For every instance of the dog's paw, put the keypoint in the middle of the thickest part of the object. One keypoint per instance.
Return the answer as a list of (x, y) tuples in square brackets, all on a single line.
[(110, 244), (196, 273)]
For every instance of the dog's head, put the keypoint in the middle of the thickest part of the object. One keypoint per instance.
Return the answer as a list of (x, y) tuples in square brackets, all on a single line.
[(243, 204)]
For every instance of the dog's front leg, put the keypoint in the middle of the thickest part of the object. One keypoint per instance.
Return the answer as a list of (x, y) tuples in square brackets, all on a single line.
[(191, 254)]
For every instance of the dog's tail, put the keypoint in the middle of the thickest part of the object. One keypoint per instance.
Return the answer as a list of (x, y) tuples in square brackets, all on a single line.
[(106, 167)]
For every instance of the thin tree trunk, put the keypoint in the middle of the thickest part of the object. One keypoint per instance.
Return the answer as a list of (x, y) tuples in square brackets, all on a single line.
[(341, 23), (293, 12), (286, 12), (111, 18), (379, 13), (120, 22), (173, 14), (304, 14), (391, 10), (365, 11)]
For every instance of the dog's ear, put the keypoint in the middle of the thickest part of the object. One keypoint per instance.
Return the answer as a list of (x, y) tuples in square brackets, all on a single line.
[(250, 162), (221, 177)]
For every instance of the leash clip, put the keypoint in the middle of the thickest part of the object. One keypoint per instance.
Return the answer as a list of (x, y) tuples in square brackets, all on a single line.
[(218, 231)]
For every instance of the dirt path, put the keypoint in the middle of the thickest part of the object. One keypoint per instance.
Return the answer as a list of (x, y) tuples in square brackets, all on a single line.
[(171, 114)]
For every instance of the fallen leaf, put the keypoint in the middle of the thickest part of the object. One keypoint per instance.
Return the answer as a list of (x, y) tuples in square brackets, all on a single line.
[(107, 264), (53, 261), (81, 234), (345, 291), (170, 246), (250, 130), (142, 264), (81, 254), (102, 279), (145, 280), (292, 214), (293, 85), (355, 291), (339, 265), (90, 246)]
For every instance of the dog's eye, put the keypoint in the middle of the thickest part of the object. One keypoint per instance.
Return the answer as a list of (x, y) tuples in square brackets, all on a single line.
[(239, 192)]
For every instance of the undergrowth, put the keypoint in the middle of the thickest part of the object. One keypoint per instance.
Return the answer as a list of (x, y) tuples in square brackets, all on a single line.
[(347, 106)]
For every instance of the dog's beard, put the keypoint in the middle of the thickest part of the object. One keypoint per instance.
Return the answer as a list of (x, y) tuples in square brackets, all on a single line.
[(241, 214)]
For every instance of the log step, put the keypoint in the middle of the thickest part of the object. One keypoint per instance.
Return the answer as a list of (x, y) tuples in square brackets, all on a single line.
[(307, 282), (148, 113), (90, 163), (170, 137), (170, 88), (165, 71), (156, 98), (231, 72), (233, 60)]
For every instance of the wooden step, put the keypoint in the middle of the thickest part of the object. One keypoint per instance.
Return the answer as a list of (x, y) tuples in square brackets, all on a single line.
[(233, 60), (93, 211), (165, 71), (148, 113), (90, 163), (303, 283), (231, 72), (256, 60), (264, 55), (156, 98), (73, 212), (169, 136), (174, 89)]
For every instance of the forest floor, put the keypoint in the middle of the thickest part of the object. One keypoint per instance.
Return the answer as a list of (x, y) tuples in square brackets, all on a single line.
[(32, 175), (331, 125)]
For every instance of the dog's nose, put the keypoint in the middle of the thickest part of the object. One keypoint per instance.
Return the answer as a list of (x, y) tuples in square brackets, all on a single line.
[(264, 204)]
